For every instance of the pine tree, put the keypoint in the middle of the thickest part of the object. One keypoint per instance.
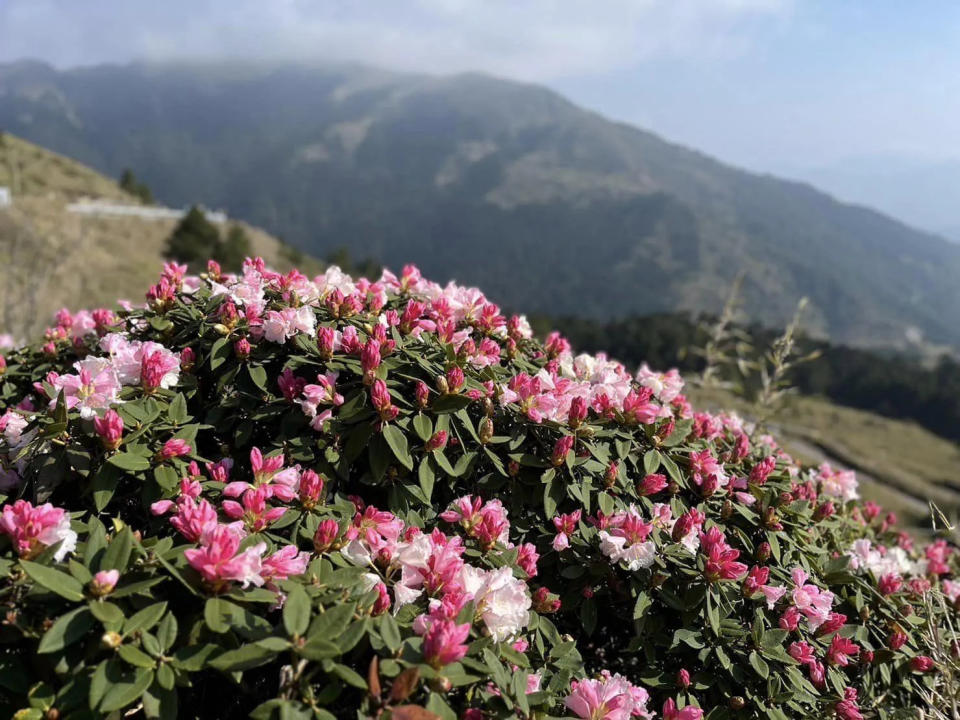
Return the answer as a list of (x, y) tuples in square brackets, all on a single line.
[(234, 249), (194, 239)]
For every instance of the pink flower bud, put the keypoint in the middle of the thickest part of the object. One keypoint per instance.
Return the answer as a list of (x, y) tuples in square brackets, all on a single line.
[(187, 359), (423, 394), (104, 582), (454, 379), (175, 447), (683, 678), (110, 429), (325, 536), (561, 448), (437, 441), (544, 602), (241, 348), (326, 341), (921, 663), (311, 488), (578, 412)]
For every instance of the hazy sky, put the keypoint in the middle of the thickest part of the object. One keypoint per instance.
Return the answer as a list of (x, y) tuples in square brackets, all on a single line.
[(769, 84)]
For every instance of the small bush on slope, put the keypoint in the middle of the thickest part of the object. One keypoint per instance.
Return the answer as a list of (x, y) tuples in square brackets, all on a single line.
[(270, 496)]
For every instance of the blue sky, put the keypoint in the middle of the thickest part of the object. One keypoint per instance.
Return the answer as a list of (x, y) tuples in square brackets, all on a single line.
[(773, 85)]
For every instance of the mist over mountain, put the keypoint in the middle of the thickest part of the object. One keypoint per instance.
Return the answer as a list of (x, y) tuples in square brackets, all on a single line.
[(924, 193), (547, 206)]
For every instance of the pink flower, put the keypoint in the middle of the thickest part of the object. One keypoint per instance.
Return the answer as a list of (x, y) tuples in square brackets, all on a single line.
[(285, 563), (704, 466), (220, 471), (219, 560), (847, 708), (651, 485), (443, 643), (898, 638), (527, 557), (840, 651), (670, 712), (159, 368), (110, 429), (31, 529), (94, 388), (638, 409), (104, 582), (790, 619), (721, 558), (802, 652), (255, 513), (191, 519), (175, 447), (609, 698), (921, 664)]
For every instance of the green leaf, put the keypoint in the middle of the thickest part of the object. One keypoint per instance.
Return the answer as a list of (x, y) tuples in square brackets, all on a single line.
[(296, 611), (651, 462), (423, 426), (136, 657), (760, 665), (145, 619), (59, 582), (349, 676), (118, 551), (219, 353), (177, 412), (258, 375), (167, 632), (642, 605), (588, 615), (216, 613), (390, 632), (125, 692), (106, 612), (426, 477), (398, 444), (553, 494), (243, 658), (129, 461), (66, 630)]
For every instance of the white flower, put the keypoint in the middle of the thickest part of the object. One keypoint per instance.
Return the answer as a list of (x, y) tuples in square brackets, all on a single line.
[(501, 600)]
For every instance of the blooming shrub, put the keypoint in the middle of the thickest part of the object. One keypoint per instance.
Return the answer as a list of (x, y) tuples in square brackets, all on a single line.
[(272, 496)]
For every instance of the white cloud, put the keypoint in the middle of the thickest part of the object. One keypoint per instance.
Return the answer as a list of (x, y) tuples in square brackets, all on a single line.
[(532, 39)]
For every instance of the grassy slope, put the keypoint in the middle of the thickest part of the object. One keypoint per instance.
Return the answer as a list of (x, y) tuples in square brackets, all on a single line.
[(901, 465), (50, 258)]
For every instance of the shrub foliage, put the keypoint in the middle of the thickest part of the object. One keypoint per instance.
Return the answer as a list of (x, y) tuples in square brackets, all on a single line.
[(269, 496)]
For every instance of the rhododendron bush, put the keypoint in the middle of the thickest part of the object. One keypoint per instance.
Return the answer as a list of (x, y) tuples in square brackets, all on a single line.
[(270, 496)]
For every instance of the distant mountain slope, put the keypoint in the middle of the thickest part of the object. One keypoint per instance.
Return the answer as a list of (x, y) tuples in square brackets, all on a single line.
[(50, 258), (505, 185)]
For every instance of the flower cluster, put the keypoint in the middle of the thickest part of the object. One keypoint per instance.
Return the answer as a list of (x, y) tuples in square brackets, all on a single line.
[(372, 496)]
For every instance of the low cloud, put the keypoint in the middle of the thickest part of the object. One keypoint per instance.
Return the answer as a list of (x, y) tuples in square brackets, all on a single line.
[(536, 40)]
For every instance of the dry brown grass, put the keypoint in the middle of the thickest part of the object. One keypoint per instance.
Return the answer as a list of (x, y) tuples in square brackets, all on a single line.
[(50, 258)]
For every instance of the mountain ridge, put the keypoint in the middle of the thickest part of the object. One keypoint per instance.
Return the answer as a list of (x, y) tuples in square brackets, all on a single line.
[(505, 185)]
